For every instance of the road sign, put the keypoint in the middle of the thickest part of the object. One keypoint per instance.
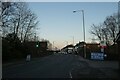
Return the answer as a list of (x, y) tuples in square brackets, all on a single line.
[(103, 43), (97, 56)]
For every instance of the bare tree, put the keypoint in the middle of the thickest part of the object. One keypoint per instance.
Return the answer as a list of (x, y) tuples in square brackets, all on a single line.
[(6, 10), (111, 24), (96, 30), (108, 30), (19, 20)]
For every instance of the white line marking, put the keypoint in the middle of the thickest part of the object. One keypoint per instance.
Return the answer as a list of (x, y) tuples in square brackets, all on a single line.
[(70, 75)]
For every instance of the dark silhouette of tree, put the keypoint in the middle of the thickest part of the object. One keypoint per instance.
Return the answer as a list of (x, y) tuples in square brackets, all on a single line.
[(18, 19), (107, 30), (18, 26), (96, 30), (111, 25)]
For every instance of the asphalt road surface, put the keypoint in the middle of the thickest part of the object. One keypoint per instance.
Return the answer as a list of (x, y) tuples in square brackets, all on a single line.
[(61, 66)]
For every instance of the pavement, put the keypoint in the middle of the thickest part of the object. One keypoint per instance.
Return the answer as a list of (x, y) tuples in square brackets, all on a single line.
[(96, 69), (61, 66)]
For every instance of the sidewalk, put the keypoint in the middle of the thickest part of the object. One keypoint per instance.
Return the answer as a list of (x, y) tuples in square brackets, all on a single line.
[(96, 69), (22, 61), (13, 62)]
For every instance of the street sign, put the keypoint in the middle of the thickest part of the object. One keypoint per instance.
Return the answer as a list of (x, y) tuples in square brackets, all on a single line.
[(102, 49), (103, 43), (97, 56)]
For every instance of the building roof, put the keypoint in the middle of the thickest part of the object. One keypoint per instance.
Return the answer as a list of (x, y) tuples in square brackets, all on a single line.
[(68, 46)]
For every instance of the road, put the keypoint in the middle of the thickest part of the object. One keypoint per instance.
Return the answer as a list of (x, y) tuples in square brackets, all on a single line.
[(61, 66)]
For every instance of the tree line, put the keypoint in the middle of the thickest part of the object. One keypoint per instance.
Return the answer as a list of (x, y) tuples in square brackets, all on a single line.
[(18, 26)]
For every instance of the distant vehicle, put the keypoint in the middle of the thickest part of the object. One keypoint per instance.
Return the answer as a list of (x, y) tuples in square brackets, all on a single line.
[(59, 52), (54, 52), (70, 51), (65, 52)]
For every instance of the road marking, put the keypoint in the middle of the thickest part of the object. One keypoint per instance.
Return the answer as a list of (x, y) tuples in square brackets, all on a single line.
[(70, 75)]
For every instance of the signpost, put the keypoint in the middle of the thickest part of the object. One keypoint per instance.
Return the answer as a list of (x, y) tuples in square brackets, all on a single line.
[(103, 45)]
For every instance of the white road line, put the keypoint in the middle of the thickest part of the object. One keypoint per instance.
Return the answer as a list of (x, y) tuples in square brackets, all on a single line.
[(70, 75)]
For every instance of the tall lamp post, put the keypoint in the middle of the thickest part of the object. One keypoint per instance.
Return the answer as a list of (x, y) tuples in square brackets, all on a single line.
[(83, 29)]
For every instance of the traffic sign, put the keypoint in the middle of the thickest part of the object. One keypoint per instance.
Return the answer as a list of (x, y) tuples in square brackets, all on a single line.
[(97, 56), (103, 43)]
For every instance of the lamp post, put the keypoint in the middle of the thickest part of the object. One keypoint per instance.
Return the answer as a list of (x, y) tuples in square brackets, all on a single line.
[(83, 29)]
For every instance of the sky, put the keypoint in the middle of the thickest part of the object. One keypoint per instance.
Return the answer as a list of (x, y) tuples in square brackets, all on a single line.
[(58, 23)]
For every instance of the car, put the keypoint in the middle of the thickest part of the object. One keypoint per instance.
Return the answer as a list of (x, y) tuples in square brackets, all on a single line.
[(65, 52), (70, 51)]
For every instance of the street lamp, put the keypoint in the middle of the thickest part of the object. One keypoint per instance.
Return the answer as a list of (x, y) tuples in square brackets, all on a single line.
[(83, 28)]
